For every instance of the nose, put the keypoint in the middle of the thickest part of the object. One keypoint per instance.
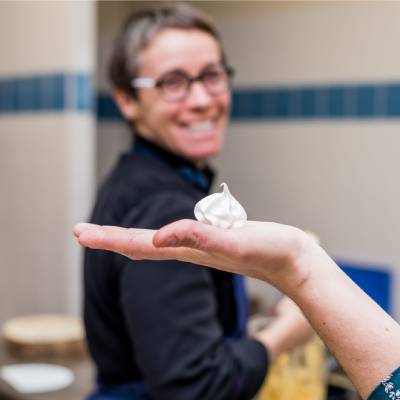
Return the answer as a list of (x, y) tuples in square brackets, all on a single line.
[(198, 96)]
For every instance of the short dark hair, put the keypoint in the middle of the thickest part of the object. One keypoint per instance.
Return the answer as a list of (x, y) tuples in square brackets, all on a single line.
[(140, 29)]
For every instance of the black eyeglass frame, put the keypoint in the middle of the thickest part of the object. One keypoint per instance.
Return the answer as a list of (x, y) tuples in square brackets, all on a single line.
[(146, 83)]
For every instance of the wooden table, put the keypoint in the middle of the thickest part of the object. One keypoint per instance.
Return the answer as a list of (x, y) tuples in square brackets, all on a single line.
[(81, 367)]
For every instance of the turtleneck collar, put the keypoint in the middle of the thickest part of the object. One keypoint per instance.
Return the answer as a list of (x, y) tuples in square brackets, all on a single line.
[(202, 179)]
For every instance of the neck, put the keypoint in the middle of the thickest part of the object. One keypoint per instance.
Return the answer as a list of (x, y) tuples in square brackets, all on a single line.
[(200, 164)]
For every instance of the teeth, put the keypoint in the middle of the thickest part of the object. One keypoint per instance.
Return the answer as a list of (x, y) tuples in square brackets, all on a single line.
[(202, 126)]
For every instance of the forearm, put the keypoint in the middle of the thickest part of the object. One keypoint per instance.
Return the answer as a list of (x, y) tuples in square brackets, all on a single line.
[(363, 338)]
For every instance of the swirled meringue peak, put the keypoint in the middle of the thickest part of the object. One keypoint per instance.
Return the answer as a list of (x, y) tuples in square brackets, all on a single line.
[(221, 210)]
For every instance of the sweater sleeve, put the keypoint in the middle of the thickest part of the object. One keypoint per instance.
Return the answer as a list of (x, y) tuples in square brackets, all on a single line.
[(171, 314), (388, 389)]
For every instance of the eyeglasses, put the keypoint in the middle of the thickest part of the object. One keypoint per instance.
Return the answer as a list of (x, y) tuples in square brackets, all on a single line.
[(175, 86)]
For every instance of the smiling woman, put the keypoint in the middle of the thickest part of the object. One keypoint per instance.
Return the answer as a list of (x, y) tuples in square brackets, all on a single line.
[(169, 329)]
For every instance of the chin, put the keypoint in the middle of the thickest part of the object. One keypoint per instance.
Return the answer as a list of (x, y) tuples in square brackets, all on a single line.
[(201, 149), (205, 152)]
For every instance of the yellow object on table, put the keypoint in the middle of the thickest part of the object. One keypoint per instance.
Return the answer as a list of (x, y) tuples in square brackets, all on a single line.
[(297, 375)]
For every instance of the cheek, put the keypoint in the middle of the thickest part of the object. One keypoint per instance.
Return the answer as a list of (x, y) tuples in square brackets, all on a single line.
[(169, 113), (157, 111)]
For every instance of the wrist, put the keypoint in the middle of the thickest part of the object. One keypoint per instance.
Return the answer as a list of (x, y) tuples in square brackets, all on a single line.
[(273, 339), (293, 269), (309, 266)]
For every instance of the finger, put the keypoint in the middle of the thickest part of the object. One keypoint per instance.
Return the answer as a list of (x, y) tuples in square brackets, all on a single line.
[(133, 243), (82, 226), (85, 226), (100, 237)]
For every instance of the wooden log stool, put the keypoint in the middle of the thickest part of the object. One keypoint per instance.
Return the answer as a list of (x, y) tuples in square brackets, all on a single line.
[(44, 336)]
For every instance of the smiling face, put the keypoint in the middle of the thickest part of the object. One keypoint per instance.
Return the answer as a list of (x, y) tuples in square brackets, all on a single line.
[(193, 127)]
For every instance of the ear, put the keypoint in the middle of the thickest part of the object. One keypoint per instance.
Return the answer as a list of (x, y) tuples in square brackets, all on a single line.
[(127, 105)]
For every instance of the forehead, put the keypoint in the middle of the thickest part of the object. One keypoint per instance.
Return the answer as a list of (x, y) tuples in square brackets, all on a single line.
[(189, 50)]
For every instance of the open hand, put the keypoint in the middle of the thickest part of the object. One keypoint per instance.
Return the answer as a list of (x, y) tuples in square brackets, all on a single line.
[(263, 250)]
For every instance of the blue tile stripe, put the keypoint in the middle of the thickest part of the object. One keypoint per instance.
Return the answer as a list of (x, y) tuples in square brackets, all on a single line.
[(46, 93), (362, 101), (61, 92), (323, 102)]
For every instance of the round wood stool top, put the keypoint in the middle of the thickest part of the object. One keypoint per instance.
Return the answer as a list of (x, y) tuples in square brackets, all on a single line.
[(44, 335)]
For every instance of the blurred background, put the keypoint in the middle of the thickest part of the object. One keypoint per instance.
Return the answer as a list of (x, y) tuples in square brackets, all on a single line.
[(313, 140)]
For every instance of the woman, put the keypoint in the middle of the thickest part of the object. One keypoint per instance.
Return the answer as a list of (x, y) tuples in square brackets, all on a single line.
[(169, 329), (362, 337)]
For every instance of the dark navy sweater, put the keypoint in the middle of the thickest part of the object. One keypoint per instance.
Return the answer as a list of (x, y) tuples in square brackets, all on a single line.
[(169, 324)]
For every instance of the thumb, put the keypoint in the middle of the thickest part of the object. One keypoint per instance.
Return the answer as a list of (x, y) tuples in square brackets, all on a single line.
[(189, 233)]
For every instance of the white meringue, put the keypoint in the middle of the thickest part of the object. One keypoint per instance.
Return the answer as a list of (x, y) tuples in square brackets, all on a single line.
[(221, 210)]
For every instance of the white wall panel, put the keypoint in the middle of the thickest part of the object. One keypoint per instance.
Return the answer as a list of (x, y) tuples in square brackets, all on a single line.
[(46, 36)]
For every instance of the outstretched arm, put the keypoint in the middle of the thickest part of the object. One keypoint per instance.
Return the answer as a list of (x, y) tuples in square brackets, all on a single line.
[(363, 338)]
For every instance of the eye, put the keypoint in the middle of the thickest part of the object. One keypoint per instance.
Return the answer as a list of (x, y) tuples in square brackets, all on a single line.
[(213, 76), (174, 82)]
